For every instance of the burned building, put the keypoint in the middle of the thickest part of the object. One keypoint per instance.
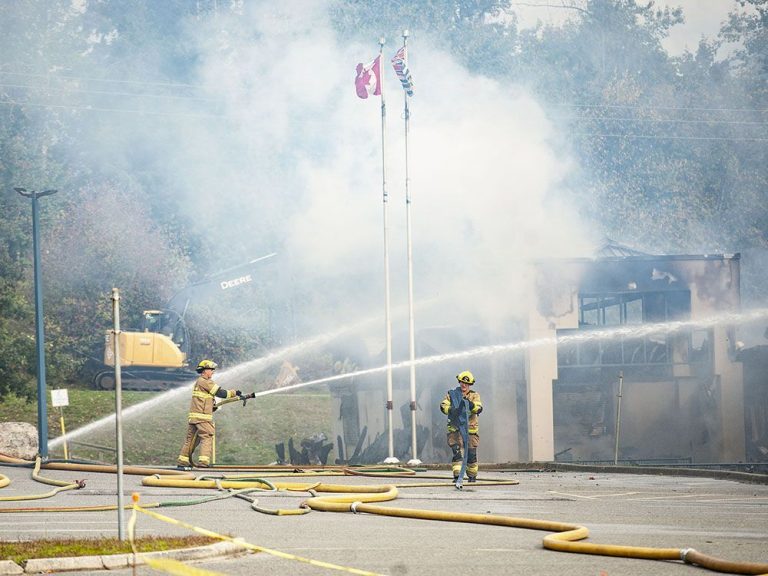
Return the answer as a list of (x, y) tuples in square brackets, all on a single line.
[(655, 327), (653, 335)]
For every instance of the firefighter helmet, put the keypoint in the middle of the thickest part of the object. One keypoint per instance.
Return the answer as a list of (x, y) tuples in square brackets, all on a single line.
[(206, 365), (466, 377)]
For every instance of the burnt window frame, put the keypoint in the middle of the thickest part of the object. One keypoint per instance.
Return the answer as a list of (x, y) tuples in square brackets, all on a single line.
[(657, 306)]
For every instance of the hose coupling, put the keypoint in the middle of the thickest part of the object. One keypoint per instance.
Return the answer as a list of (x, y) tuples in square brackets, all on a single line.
[(684, 552), (80, 483), (353, 507)]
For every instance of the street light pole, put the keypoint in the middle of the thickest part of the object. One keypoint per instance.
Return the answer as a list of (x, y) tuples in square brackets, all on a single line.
[(42, 398)]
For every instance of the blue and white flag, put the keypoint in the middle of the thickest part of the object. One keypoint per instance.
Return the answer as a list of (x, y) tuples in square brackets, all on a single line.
[(400, 64)]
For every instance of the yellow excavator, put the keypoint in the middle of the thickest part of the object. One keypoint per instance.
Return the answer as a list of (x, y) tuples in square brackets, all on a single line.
[(156, 357)]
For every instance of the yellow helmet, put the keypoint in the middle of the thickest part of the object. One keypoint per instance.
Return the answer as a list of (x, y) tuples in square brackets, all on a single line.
[(466, 377), (206, 365)]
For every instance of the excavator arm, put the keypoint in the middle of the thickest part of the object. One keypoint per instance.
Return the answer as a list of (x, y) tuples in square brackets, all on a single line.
[(157, 355)]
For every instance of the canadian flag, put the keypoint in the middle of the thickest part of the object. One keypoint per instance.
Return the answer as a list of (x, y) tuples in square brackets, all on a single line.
[(368, 79)]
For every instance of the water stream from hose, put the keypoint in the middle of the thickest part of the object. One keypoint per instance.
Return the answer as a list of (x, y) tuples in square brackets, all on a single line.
[(232, 374), (634, 331)]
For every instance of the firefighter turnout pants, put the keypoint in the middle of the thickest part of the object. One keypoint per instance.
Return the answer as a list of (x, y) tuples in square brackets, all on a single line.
[(201, 433), (456, 443)]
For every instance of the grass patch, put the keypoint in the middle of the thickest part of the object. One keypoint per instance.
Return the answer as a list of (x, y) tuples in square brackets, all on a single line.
[(84, 406), (244, 434), (20, 552)]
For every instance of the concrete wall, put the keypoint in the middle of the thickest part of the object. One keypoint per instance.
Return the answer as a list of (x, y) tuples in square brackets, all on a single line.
[(697, 413), (690, 414)]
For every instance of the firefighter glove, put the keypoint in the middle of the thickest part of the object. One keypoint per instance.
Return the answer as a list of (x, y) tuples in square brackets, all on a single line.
[(238, 393)]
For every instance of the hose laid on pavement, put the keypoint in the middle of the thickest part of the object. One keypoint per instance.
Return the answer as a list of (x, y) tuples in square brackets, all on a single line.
[(240, 542), (566, 537), (61, 486), (245, 495), (90, 467)]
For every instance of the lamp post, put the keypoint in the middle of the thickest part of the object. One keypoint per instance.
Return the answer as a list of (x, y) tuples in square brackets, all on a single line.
[(42, 399)]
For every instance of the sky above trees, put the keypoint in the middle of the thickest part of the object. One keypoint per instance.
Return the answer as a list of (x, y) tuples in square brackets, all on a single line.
[(703, 18)]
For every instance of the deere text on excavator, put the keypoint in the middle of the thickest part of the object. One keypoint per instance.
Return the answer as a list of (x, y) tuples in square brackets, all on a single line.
[(156, 357)]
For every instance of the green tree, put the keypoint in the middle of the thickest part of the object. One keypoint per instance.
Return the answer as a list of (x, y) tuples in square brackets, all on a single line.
[(479, 34), (748, 30), (103, 238), (96, 233)]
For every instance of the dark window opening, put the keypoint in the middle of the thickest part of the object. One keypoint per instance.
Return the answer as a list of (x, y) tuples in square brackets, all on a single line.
[(617, 310)]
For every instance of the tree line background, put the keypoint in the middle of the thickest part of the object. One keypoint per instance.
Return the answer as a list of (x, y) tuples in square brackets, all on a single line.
[(673, 151)]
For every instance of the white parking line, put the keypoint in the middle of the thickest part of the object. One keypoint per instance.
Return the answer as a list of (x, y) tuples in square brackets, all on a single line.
[(572, 495), (676, 497), (596, 496), (48, 530), (68, 523)]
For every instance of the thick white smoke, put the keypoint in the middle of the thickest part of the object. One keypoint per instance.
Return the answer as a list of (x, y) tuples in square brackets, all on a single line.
[(296, 160), (269, 149)]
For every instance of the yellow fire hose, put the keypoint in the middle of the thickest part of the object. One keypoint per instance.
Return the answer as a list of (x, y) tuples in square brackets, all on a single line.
[(103, 468), (566, 537), (358, 498), (239, 541), (60, 486), (326, 470)]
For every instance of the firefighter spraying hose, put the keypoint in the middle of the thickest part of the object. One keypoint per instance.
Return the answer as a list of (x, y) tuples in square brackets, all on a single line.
[(201, 429), (243, 397), (461, 405), (364, 499)]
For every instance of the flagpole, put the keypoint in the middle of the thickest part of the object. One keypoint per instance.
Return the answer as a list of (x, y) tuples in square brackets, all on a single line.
[(414, 461), (391, 459)]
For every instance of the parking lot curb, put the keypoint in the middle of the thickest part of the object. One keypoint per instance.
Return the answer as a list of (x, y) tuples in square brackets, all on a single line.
[(117, 561), (8, 567)]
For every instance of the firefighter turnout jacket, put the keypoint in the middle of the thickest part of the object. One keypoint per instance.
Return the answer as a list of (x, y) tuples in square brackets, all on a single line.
[(476, 408), (203, 393)]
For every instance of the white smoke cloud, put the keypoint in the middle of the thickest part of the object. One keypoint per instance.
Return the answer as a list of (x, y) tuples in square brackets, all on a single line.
[(295, 159)]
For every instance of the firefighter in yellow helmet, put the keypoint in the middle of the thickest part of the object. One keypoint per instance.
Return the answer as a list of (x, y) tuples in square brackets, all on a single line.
[(200, 428), (462, 406)]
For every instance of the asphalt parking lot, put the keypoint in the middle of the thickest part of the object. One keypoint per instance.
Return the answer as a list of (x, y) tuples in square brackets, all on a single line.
[(718, 516)]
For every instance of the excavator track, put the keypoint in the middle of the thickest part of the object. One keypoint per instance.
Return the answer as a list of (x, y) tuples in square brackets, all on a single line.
[(146, 380)]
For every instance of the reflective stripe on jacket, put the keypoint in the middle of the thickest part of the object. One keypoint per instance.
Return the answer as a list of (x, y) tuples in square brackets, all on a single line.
[(201, 407), (472, 396)]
